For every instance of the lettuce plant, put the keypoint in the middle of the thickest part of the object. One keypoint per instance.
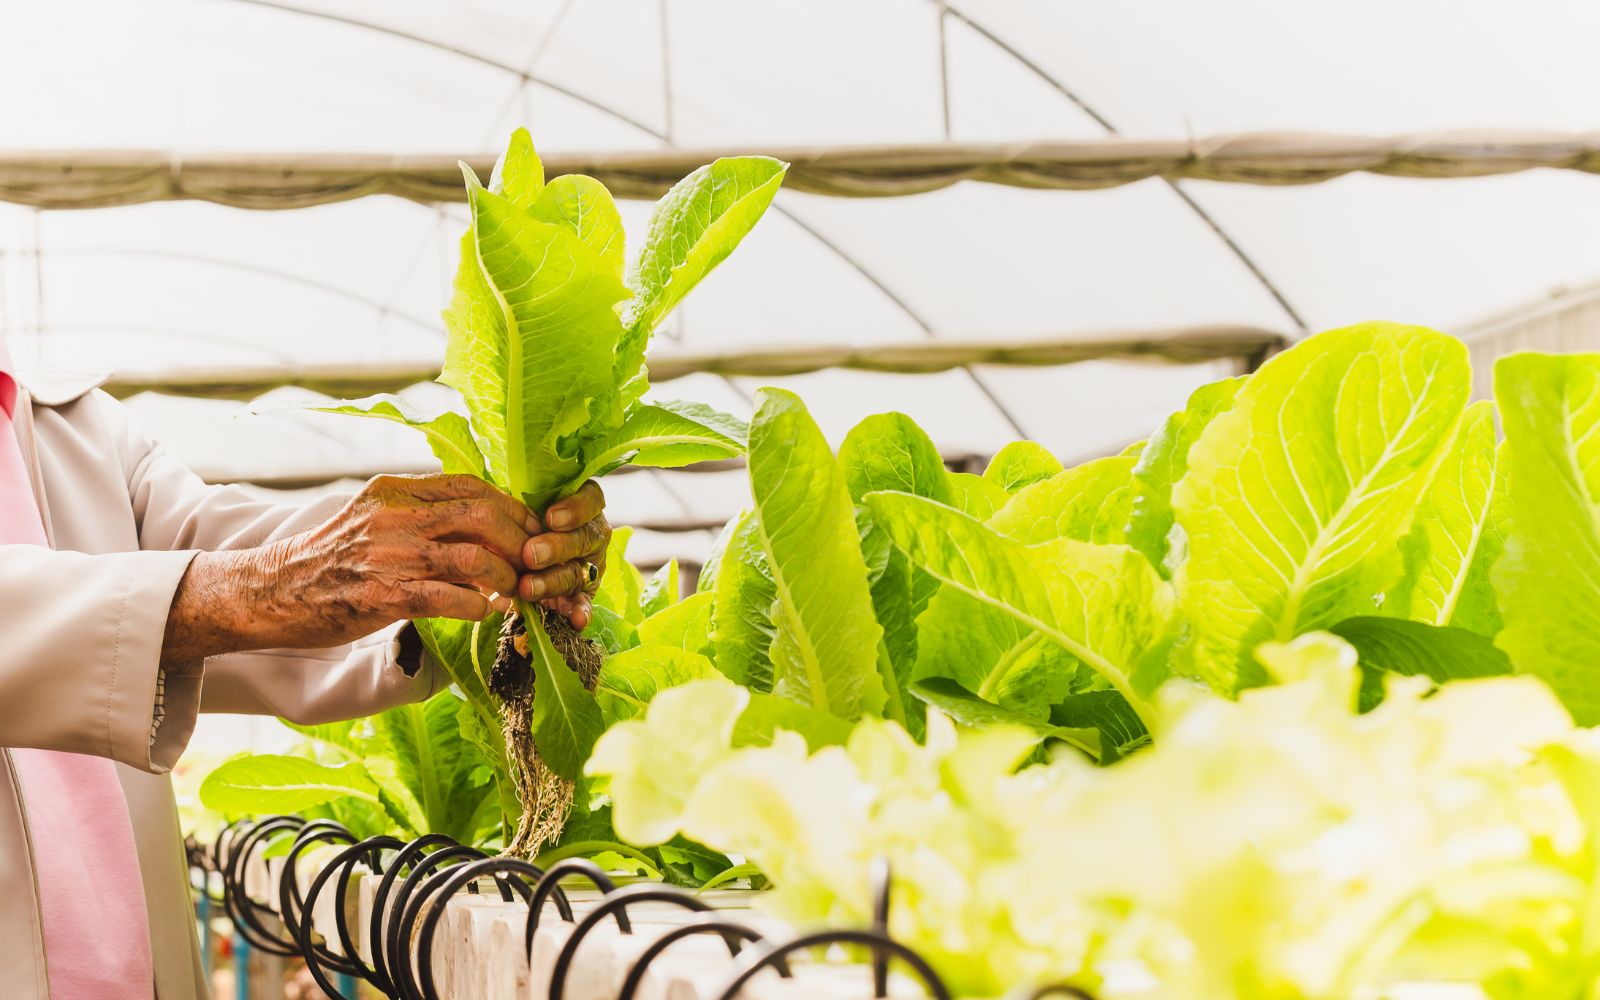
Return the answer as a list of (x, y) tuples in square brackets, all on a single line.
[(1345, 486), (1277, 847), (547, 334), (404, 771)]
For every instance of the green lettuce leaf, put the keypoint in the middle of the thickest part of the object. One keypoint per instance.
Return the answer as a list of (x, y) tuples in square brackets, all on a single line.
[(989, 651), (352, 739), (742, 608), (450, 643), (767, 714), (667, 435), (661, 590), (583, 205), (1548, 580), (272, 783), (1409, 648), (1296, 498), (888, 451), (534, 331), (518, 174), (613, 632), (1163, 461), (622, 588), (686, 624), (1456, 536), (1019, 464), (631, 679), (424, 754), (976, 496), (992, 653), (448, 434), (824, 652), (566, 717), (706, 583), (654, 762), (1477, 607), (695, 227), (1090, 502), (970, 710), (1121, 730), (1103, 604)]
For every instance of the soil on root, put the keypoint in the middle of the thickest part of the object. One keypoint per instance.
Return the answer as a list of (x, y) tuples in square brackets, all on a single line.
[(546, 798)]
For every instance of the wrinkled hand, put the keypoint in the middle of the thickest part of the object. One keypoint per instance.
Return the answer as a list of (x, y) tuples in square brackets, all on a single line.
[(446, 546), (558, 560)]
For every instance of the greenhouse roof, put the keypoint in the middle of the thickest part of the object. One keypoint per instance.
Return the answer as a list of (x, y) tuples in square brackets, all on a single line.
[(153, 288)]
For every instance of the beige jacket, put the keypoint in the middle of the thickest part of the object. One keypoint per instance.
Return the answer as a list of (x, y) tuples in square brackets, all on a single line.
[(82, 626)]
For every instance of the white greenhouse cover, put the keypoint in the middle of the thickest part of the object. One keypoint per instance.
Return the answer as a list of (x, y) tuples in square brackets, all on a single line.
[(163, 285)]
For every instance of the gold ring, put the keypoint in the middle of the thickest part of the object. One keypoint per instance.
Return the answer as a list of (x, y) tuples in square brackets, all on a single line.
[(591, 573)]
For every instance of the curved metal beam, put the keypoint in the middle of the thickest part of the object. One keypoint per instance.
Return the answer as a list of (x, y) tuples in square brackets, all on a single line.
[(1082, 105), (238, 265), (468, 54), (481, 59), (166, 332), (910, 313)]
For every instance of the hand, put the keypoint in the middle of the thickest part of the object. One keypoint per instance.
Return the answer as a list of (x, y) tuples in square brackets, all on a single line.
[(558, 560), (423, 547)]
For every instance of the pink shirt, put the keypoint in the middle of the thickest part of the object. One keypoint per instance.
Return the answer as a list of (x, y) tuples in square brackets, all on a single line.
[(91, 896)]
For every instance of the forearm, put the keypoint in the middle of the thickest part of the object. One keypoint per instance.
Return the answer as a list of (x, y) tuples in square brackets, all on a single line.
[(218, 607)]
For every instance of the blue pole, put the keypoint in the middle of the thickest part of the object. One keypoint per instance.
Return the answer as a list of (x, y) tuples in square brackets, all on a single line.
[(241, 967), (347, 984), (204, 906)]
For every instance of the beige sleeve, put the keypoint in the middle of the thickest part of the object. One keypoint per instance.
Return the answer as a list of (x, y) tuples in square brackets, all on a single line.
[(83, 650)]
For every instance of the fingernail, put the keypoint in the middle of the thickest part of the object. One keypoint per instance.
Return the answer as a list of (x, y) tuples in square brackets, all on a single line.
[(501, 604), (560, 518), (533, 525), (532, 588), (538, 553)]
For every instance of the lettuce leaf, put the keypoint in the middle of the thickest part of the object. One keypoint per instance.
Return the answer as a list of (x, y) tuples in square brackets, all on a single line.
[(694, 228), (1163, 461), (1297, 496), (824, 650), (1103, 604), (1408, 648), (1019, 464), (449, 435), (686, 624), (888, 451), (1457, 535), (976, 496), (1548, 581), (744, 597), (970, 710), (271, 783)]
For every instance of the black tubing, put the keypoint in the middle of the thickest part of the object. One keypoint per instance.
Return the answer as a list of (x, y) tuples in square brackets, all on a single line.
[(316, 956), (291, 904), (728, 929), (241, 909), (882, 877), (871, 939), (523, 872), (550, 887), (613, 903), (415, 891), (380, 899)]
